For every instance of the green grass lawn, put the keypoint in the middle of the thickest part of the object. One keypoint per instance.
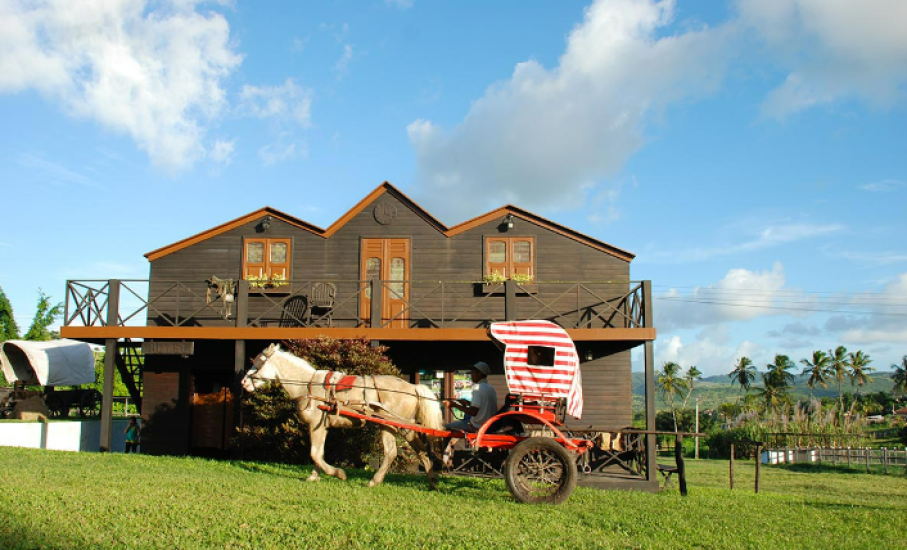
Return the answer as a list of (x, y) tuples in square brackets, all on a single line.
[(86, 500)]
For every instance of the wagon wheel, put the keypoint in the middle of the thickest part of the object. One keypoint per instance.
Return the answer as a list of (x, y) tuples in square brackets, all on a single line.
[(539, 470), (56, 405), (90, 404)]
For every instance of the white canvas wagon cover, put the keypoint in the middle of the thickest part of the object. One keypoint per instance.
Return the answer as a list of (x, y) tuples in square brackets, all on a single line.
[(54, 363), (561, 379)]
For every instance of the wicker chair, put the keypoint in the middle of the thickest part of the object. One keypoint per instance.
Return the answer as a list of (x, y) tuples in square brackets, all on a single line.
[(321, 302)]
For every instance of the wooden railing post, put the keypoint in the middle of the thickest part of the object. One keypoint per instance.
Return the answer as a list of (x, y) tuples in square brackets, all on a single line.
[(110, 364), (510, 300), (376, 316), (239, 356)]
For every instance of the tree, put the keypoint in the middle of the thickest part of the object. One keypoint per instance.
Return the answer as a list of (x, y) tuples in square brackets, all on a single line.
[(773, 390), (900, 377), (45, 315), (672, 383), (692, 374), (858, 362), (779, 371), (744, 373), (9, 330), (817, 369), (838, 368)]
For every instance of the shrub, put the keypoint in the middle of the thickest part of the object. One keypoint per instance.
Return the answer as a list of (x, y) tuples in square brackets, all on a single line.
[(902, 434), (719, 443)]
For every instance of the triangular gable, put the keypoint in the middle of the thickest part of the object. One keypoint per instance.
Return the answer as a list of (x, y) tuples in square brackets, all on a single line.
[(238, 222), (500, 213), (385, 187)]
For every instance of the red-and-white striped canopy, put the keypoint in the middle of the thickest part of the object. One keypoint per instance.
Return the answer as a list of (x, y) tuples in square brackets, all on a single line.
[(561, 380)]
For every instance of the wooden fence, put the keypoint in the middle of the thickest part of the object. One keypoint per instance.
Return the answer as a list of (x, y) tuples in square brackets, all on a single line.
[(882, 460)]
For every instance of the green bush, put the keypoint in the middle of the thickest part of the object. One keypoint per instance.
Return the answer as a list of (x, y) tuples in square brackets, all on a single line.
[(719, 443), (273, 432), (902, 434)]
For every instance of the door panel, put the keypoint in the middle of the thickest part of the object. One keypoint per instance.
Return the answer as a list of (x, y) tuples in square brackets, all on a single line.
[(389, 261)]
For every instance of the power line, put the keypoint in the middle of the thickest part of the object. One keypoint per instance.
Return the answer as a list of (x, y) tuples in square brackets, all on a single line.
[(812, 310)]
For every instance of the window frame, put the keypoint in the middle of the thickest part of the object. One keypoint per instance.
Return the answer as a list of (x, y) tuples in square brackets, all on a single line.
[(267, 268), (489, 268)]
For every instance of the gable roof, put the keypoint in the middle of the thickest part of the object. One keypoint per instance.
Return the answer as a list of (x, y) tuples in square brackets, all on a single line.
[(233, 224), (386, 187), (540, 221)]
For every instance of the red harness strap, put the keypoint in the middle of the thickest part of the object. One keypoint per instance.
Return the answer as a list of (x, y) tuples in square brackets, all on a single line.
[(345, 383)]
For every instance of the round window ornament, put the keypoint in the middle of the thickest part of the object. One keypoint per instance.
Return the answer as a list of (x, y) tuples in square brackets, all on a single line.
[(385, 213)]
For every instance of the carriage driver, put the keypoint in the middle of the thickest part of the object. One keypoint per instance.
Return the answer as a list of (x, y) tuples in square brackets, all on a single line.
[(484, 402)]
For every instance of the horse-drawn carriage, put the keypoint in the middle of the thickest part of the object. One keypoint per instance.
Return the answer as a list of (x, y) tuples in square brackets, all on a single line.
[(525, 442), (50, 364)]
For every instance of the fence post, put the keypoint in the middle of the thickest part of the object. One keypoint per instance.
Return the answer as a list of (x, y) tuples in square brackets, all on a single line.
[(732, 467), (885, 459), (681, 468), (866, 456), (848, 457), (758, 464)]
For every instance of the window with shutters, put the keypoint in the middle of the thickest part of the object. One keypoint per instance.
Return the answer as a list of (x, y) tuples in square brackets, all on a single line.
[(266, 262), (509, 258)]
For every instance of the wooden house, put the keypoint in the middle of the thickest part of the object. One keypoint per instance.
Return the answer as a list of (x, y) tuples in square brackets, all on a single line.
[(387, 270)]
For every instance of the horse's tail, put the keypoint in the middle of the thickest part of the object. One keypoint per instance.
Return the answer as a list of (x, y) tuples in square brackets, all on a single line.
[(429, 414)]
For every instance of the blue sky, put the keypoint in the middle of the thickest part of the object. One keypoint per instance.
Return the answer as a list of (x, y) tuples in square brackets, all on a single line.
[(752, 154)]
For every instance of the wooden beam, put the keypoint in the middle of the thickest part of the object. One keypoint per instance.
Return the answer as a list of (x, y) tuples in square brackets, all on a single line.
[(639, 335)]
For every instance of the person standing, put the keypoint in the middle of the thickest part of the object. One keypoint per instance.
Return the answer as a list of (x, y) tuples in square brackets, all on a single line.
[(133, 434)]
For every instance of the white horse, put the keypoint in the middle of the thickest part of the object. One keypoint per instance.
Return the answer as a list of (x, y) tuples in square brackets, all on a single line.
[(392, 397)]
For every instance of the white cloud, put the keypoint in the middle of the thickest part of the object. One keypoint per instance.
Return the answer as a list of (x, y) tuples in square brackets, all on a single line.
[(343, 64), (543, 136), (759, 238), (710, 351), (222, 152), (152, 72), (46, 171), (741, 295), (832, 49), (886, 323), (884, 186), (286, 102), (281, 151)]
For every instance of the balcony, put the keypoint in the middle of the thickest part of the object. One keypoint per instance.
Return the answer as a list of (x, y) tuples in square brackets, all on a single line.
[(378, 309)]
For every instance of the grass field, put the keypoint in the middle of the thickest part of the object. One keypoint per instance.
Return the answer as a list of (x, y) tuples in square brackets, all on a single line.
[(86, 500)]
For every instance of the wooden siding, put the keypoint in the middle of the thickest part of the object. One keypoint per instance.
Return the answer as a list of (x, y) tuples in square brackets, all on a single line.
[(164, 413)]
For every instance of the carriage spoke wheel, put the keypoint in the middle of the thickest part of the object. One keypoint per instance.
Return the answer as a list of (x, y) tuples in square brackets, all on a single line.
[(540, 470), (55, 405), (90, 404)]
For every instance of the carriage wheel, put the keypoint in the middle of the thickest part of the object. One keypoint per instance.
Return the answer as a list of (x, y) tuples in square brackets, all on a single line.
[(90, 404), (539, 470), (56, 405)]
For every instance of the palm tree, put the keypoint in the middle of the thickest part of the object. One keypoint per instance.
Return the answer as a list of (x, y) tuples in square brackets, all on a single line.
[(671, 383), (772, 391), (900, 377), (838, 368), (859, 368), (818, 370), (779, 371), (744, 373)]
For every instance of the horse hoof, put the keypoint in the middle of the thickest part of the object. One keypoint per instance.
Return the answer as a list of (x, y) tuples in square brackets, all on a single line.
[(372, 483), (341, 475)]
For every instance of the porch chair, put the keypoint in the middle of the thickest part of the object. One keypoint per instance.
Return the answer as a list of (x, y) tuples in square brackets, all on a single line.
[(293, 313), (322, 299)]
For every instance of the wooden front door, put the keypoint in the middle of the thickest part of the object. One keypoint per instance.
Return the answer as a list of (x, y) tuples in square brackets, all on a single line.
[(388, 261)]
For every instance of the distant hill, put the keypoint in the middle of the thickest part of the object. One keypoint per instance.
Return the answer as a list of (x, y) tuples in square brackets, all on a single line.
[(715, 390)]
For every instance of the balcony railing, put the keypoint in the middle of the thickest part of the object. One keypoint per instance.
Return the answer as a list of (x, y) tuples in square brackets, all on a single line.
[(390, 304)]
